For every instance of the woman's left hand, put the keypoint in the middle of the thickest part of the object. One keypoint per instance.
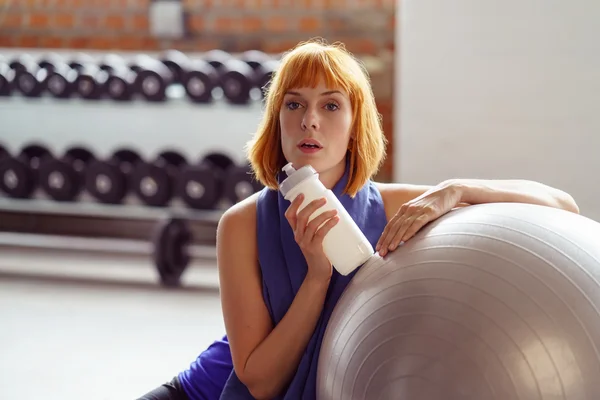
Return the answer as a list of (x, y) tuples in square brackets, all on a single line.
[(415, 214)]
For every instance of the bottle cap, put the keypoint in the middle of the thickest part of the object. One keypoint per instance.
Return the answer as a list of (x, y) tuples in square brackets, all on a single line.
[(295, 176)]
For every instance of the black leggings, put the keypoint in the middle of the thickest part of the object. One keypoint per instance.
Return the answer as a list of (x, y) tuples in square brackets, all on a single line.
[(167, 391)]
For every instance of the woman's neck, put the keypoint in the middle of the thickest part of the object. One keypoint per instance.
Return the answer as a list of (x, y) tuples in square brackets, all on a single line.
[(330, 177)]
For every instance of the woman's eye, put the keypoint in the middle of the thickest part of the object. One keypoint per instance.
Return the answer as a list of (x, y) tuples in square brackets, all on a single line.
[(331, 106), (292, 105)]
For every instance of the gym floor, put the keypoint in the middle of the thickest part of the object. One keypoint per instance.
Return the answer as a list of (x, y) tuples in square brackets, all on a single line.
[(97, 327)]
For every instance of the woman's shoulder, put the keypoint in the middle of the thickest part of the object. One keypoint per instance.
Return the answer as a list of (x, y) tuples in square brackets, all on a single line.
[(242, 215)]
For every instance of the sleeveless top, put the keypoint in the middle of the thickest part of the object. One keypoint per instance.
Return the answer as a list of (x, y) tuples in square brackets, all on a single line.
[(283, 268)]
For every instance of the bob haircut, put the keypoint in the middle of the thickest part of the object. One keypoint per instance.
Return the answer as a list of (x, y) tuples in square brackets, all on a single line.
[(302, 67)]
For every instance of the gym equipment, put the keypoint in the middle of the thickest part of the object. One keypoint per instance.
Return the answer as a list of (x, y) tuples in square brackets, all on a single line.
[(154, 182), (171, 237), (240, 183), (254, 58), (168, 239), (7, 76), (3, 153), (91, 81), (201, 186), (29, 77), (237, 79), (19, 63), (264, 75), (199, 81), (109, 181), (48, 61), (492, 301), (61, 79), (152, 79), (177, 62), (62, 179), (121, 78), (19, 175), (80, 60), (217, 58)]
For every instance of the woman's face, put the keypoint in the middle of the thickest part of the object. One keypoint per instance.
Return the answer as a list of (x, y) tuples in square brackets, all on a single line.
[(315, 129)]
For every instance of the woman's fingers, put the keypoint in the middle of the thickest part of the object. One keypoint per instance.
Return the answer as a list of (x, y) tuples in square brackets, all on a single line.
[(388, 232), (320, 234), (292, 211), (417, 224), (313, 225)]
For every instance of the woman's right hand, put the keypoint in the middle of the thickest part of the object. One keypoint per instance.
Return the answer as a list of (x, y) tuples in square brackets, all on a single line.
[(309, 236)]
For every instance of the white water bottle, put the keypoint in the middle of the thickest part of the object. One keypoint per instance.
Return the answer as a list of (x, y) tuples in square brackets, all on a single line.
[(345, 245)]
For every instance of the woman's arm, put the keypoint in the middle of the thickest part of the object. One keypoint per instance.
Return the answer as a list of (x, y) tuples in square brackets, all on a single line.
[(477, 191), (264, 357), (410, 207)]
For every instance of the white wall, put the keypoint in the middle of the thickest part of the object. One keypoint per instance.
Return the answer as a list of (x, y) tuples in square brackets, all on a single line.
[(500, 89)]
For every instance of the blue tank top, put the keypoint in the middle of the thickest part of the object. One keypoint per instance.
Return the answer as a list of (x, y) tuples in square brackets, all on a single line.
[(283, 269)]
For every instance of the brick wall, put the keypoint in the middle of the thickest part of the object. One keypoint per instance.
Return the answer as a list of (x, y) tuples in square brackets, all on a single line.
[(365, 26)]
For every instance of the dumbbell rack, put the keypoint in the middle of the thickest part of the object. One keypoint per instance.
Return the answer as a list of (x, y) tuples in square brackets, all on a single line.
[(103, 126), (107, 229)]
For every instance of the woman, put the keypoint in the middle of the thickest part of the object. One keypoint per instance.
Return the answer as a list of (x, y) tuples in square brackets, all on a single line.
[(278, 288)]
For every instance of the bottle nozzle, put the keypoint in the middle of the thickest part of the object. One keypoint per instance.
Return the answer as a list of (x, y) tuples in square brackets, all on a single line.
[(288, 169)]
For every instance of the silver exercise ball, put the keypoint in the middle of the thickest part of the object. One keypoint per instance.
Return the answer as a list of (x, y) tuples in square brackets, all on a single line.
[(494, 301)]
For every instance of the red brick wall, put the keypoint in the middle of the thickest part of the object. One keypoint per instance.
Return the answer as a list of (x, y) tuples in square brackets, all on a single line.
[(365, 26)]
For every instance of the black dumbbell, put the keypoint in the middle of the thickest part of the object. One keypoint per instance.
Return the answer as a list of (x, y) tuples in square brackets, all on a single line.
[(61, 79), (264, 75), (240, 183), (3, 153), (217, 58), (49, 60), (201, 186), (19, 175), (91, 81), (200, 80), (120, 84), (177, 62), (62, 179), (80, 60), (237, 79), (154, 182), (153, 78), (29, 78), (7, 77), (254, 58), (109, 181)]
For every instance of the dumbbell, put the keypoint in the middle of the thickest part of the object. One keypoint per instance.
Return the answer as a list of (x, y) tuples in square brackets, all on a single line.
[(239, 76), (154, 182), (240, 183), (62, 179), (7, 77), (200, 80), (263, 66), (177, 62), (61, 79), (217, 58), (201, 186), (109, 181), (19, 176), (3, 153), (91, 81), (264, 74), (80, 60), (153, 78), (29, 77), (120, 84), (237, 79)]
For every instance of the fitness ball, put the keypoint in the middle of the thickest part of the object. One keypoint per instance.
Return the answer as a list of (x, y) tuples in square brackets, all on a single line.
[(494, 301)]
